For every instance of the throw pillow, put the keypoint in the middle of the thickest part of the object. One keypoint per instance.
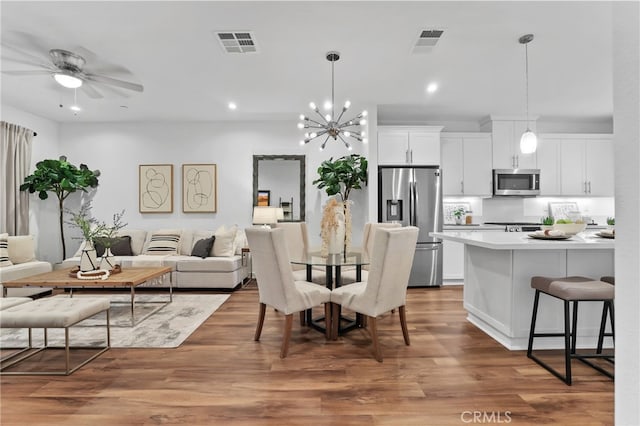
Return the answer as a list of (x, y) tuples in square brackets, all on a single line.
[(4, 250), (223, 244), (22, 249), (202, 248), (163, 244), (120, 247)]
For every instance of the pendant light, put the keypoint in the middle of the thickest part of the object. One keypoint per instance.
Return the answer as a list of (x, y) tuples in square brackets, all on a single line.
[(529, 140), (330, 125)]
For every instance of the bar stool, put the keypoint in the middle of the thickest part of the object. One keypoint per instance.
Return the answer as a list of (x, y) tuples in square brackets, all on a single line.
[(607, 308), (569, 289)]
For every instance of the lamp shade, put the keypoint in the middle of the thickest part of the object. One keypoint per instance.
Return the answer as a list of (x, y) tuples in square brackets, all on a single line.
[(528, 142), (265, 215), (67, 80)]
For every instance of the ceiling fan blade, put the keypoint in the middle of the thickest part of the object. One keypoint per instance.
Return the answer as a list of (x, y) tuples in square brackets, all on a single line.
[(112, 81), (91, 91), (26, 57), (26, 72)]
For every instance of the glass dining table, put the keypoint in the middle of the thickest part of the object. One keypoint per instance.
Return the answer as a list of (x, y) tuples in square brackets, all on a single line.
[(333, 266)]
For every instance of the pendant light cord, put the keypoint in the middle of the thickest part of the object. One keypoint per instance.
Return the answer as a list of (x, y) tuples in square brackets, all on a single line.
[(526, 73), (332, 90)]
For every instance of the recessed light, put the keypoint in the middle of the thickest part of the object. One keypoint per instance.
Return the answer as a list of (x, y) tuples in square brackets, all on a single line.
[(432, 87), (232, 105)]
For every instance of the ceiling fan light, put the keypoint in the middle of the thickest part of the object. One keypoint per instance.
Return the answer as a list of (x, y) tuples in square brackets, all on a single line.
[(528, 142), (67, 80)]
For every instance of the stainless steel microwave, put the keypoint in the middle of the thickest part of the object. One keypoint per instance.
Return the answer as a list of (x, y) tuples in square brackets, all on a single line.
[(519, 182)]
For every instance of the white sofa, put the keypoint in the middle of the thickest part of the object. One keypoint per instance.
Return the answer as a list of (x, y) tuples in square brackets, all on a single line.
[(224, 268), (22, 262)]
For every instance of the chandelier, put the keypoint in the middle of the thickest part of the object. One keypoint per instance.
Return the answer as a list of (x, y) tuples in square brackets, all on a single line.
[(329, 124)]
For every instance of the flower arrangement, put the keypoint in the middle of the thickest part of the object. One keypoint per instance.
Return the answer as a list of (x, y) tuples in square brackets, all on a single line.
[(94, 230), (330, 222)]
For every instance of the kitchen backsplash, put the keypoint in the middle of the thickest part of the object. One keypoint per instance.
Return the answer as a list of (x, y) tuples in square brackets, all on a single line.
[(515, 209)]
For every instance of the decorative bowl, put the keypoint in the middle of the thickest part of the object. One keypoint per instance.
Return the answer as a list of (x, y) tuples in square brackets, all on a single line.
[(570, 228)]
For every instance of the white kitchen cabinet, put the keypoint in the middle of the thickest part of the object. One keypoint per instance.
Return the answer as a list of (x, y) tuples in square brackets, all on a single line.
[(399, 145), (548, 154), (506, 145), (586, 165), (452, 260), (466, 164)]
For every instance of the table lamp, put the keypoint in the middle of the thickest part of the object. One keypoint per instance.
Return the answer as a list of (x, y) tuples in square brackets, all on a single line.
[(265, 216)]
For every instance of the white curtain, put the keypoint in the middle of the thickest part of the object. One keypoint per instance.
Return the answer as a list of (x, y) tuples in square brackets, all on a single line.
[(15, 159)]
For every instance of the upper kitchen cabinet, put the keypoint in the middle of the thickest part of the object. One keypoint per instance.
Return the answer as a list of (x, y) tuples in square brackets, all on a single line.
[(506, 145), (409, 145), (466, 164), (548, 154), (586, 165)]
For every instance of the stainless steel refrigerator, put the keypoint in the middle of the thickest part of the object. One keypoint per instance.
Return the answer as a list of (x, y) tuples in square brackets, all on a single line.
[(412, 196)]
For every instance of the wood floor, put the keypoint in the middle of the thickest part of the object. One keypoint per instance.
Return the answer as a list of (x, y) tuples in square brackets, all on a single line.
[(451, 374)]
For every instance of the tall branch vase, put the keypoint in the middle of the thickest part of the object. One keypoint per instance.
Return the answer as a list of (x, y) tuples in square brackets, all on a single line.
[(88, 257)]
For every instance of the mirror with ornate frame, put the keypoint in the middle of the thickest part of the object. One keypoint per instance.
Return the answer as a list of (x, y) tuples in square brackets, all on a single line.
[(278, 181)]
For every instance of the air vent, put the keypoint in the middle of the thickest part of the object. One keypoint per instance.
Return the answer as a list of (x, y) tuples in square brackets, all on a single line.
[(427, 40), (237, 41)]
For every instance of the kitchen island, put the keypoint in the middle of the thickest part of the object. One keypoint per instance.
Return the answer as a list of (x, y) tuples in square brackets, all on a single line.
[(498, 267)]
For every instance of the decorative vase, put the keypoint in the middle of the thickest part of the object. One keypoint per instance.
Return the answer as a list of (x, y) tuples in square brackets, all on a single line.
[(458, 220), (107, 261), (88, 258), (336, 243)]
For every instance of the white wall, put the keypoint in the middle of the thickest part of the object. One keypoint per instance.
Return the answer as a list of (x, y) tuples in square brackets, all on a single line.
[(117, 149), (43, 215), (626, 107)]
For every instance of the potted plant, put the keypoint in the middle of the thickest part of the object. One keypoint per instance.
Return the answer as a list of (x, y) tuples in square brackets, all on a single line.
[(458, 214), (95, 231), (340, 177), (90, 228), (547, 222), (62, 178)]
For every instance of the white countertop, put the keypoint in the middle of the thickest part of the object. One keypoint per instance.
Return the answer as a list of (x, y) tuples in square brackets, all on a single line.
[(522, 241)]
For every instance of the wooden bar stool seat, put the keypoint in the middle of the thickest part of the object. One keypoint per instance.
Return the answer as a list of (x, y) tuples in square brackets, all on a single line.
[(570, 290)]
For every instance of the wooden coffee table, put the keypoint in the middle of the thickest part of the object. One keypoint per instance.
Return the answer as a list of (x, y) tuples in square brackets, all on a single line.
[(60, 278)]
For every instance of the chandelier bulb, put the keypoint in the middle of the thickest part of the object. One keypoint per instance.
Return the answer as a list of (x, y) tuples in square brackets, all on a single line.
[(327, 117), (327, 105), (302, 117), (347, 133), (363, 122), (313, 135), (313, 106), (364, 113), (363, 133), (300, 126), (347, 104), (365, 140), (302, 143)]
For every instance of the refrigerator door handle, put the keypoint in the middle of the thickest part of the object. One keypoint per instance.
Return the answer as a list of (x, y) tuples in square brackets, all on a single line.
[(414, 195)]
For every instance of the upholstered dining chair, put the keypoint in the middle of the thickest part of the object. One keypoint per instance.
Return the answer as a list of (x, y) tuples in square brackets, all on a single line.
[(297, 239), (386, 286), (368, 233), (276, 284)]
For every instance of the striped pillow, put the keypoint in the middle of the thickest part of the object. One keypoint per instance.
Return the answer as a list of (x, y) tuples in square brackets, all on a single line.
[(4, 250), (163, 244)]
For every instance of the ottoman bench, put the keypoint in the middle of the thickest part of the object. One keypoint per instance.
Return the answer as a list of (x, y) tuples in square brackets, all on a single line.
[(7, 302), (54, 312)]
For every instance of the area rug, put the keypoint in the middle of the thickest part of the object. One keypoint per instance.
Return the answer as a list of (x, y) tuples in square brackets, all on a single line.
[(163, 325)]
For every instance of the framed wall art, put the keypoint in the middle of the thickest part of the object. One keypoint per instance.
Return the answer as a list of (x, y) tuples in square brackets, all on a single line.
[(264, 197), (155, 191), (199, 190)]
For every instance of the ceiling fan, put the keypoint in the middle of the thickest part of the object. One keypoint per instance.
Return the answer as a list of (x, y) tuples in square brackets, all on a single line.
[(67, 69)]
